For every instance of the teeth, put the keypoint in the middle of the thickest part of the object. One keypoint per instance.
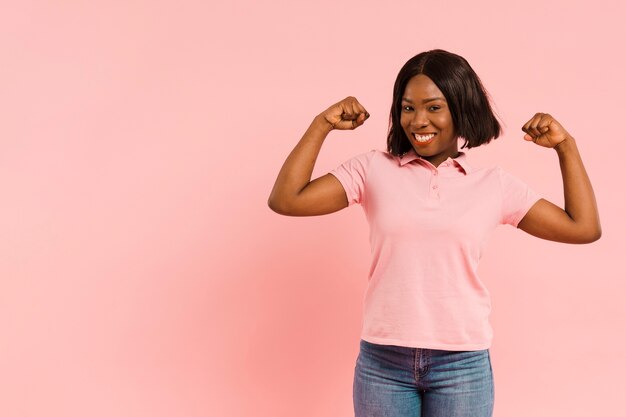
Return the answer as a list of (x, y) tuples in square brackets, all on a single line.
[(425, 138)]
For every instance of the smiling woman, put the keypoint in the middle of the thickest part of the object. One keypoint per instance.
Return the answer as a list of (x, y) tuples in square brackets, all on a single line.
[(427, 122), (426, 334), (439, 87)]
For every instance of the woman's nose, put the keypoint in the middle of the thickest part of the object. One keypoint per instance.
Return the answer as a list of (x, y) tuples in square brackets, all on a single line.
[(420, 120)]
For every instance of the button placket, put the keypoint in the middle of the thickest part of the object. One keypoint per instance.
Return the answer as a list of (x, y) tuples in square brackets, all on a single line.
[(434, 185)]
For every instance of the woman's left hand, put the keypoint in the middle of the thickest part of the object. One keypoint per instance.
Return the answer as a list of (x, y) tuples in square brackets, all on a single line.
[(544, 130)]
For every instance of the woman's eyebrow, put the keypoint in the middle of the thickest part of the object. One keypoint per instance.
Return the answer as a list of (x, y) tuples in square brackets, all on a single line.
[(426, 100)]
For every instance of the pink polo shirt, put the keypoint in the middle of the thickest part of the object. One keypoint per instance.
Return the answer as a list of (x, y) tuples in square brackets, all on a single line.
[(428, 227)]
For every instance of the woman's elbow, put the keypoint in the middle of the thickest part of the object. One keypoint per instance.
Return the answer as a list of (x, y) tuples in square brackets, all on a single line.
[(273, 205), (591, 235), (278, 206), (596, 235)]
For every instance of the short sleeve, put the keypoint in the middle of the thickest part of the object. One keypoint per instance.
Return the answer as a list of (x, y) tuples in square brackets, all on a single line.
[(352, 175), (517, 198)]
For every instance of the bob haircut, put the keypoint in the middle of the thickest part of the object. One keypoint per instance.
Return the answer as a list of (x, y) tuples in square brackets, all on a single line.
[(467, 99)]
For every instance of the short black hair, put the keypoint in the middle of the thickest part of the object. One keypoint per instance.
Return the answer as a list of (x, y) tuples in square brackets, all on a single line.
[(467, 99)]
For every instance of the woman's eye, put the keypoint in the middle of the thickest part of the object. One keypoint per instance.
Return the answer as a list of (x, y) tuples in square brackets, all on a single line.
[(406, 108), (434, 107)]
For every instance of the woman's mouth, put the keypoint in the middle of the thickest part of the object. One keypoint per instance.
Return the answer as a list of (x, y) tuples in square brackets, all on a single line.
[(424, 139)]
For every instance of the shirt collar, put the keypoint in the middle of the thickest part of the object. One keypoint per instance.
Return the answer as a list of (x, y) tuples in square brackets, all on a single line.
[(460, 160)]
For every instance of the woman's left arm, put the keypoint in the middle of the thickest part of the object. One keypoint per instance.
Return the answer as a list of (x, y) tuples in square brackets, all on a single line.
[(579, 222)]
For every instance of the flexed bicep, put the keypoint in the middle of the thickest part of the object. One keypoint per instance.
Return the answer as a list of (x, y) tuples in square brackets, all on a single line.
[(323, 195), (548, 221)]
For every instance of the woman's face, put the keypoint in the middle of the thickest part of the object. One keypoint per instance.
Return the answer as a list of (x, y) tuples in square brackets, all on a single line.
[(427, 122)]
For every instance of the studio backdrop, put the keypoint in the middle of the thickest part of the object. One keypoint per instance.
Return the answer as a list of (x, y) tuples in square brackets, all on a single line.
[(141, 270)]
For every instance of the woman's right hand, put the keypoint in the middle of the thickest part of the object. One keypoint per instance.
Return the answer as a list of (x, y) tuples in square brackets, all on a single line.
[(348, 114), (294, 194)]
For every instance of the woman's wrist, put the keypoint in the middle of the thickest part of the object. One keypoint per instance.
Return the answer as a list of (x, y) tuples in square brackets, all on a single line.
[(566, 145), (321, 123)]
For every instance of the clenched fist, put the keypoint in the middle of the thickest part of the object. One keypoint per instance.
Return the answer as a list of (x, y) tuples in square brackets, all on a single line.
[(347, 114), (544, 130)]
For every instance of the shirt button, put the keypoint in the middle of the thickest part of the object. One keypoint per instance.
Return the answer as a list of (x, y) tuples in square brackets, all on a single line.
[(436, 172), (434, 187)]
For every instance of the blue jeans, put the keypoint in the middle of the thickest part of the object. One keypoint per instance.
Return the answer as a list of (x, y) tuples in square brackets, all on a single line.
[(397, 381)]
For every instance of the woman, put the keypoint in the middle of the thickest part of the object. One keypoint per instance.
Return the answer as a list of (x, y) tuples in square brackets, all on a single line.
[(425, 340)]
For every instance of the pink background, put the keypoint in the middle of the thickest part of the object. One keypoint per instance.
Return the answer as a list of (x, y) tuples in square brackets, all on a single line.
[(141, 271)]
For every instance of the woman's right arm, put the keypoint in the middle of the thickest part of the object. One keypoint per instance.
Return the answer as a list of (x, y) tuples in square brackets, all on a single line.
[(294, 194)]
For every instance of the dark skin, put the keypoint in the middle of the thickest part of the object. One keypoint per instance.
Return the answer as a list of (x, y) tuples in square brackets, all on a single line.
[(579, 222), (294, 194), (425, 110)]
